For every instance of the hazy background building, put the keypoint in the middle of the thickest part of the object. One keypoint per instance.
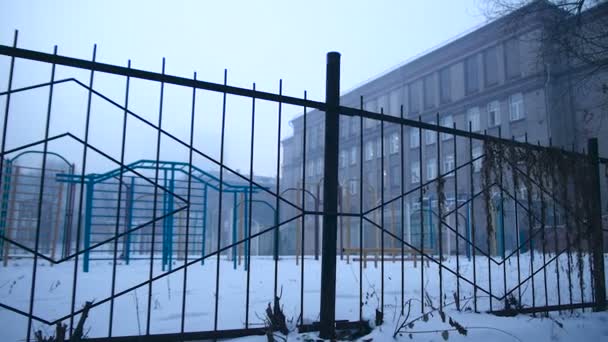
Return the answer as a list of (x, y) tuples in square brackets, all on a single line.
[(493, 81)]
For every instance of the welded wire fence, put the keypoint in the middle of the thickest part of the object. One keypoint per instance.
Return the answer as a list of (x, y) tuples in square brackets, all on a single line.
[(172, 236)]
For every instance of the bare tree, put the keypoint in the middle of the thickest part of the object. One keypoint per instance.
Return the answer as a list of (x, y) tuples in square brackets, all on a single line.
[(572, 40), (572, 31)]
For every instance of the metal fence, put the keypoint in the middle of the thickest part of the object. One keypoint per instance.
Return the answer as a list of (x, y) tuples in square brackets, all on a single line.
[(497, 225)]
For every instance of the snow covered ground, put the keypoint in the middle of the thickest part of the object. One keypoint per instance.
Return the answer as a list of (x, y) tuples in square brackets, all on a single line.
[(53, 296)]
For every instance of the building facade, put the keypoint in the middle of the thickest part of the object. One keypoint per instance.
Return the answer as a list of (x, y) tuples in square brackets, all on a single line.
[(489, 81)]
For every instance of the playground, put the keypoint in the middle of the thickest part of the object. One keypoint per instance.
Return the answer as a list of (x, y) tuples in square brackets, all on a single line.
[(144, 210)]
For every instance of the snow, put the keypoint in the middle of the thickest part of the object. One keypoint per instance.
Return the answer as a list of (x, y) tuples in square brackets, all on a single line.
[(53, 296)]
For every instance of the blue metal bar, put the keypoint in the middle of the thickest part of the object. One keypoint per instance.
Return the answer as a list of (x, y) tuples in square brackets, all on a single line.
[(130, 219), (198, 174), (5, 198), (164, 236), (204, 225), (234, 203), (245, 217), (87, 225), (169, 219), (69, 213)]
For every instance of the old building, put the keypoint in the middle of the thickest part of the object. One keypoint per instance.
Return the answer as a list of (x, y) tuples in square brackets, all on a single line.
[(490, 81)]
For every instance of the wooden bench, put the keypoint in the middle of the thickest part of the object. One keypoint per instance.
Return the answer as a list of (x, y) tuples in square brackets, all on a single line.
[(373, 253)]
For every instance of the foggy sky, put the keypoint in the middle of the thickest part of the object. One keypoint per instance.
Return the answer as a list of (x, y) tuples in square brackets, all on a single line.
[(257, 41)]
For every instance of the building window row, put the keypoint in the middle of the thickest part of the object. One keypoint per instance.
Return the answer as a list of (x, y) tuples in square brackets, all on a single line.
[(516, 112), (424, 92)]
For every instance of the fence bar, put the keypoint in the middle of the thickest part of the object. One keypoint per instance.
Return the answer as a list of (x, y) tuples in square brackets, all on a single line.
[(85, 149), (456, 236), (219, 212), (440, 197), (118, 201), (530, 227), (188, 197), (488, 215), (543, 218), (330, 198), (247, 206), (151, 76), (187, 82), (303, 250), (502, 221), (277, 230), (381, 217), (596, 226), (361, 262), (96, 224), (421, 201), (554, 196), (40, 200), (154, 204), (472, 214), (402, 178)]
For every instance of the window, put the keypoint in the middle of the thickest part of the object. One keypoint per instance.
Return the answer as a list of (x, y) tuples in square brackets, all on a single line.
[(448, 165), (471, 71), (414, 96), (321, 135), (378, 148), (445, 90), (490, 66), (369, 150), (512, 58), (429, 91), (310, 168), (395, 103), (394, 143), (415, 172), (493, 114), (477, 163), (431, 168), (342, 158), (523, 193), (430, 137), (352, 187), (354, 125), (312, 138), (516, 107), (385, 179), (383, 104), (319, 166), (473, 119), (344, 126), (395, 176), (370, 106), (446, 121), (414, 137), (353, 155)]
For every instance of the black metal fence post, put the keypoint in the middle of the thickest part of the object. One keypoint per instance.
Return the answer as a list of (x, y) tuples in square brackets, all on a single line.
[(330, 198), (596, 226)]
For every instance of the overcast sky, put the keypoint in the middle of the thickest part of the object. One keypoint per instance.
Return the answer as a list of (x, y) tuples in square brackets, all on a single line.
[(257, 41)]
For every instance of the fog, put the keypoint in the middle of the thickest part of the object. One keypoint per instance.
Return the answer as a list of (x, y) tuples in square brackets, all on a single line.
[(259, 42)]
